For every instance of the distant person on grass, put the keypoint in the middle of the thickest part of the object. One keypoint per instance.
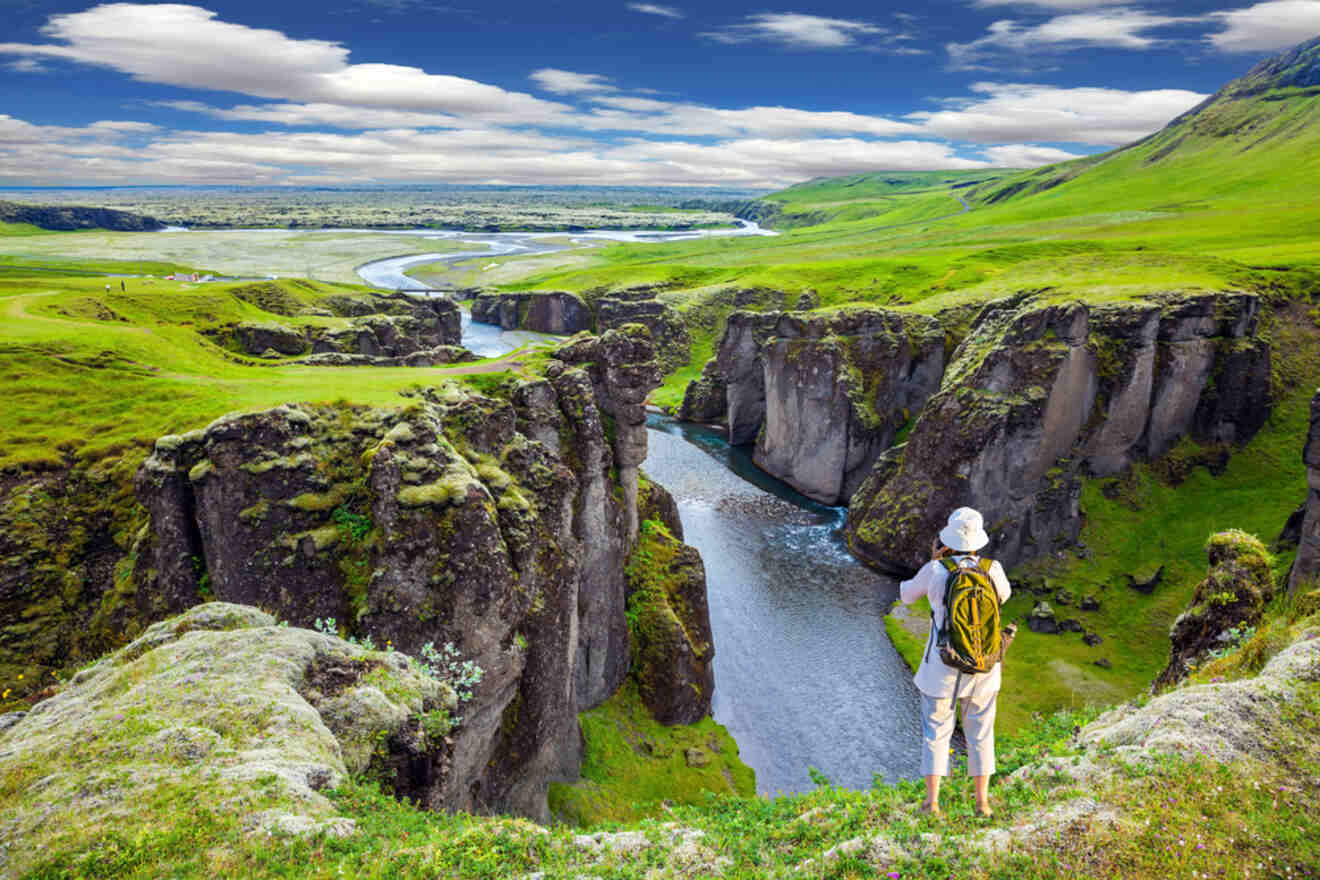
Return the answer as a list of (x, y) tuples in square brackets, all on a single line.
[(963, 652)]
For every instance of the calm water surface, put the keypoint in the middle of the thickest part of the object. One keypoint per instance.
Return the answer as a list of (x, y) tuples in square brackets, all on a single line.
[(804, 674)]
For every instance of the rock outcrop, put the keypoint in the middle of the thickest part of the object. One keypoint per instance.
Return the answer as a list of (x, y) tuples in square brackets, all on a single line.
[(566, 313), (673, 344), (822, 396), (1038, 394), (549, 311), (706, 398), (1306, 568), (265, 716), (672, 642), (424, 333), (500, 524), (1231, 598)]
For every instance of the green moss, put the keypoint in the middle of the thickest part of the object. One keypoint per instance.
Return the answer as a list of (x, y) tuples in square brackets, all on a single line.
[(311, 502), (634, 765), (255, 514), (452, 489)]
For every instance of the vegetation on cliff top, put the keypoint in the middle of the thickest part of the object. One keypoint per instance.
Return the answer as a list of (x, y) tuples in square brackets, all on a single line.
[(1220, 795)]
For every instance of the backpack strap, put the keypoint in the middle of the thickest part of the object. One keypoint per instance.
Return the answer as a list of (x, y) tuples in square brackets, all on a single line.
[(984, 564)]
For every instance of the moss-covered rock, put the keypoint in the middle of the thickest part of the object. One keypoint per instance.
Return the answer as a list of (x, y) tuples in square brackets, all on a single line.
[(222, 705), (670, 624), (1226, 603)]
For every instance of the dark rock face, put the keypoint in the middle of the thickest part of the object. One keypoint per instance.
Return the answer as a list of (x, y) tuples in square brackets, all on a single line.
[(823, 396), (706, 399), (540, 311), (838, 389), (1233, 595), (673, 345), (1036, 395), (489, 523), (70, 218), (400, 328), (1307, 565)]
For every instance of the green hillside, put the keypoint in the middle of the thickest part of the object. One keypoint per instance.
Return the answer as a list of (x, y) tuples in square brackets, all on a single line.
[(1225, 196)]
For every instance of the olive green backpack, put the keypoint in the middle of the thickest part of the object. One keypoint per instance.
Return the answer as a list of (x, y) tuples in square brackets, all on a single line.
[(969, 640)]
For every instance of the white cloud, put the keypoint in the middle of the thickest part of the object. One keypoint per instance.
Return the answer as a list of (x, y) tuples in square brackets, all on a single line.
[(1052, 4), (798, 31), (43, 154), (1116, 29), (622, 113), (1018, 112), (566, 82), (655, 9), (1026, 155), (187, 46), (334, 115), (27, 65), (1267, 27)]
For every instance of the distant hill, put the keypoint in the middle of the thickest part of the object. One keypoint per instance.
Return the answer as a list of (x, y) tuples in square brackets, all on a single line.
[(70, 218), (1257, 136), (897, 196)]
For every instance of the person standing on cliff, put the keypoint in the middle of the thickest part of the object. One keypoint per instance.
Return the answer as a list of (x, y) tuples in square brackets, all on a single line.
[(960, 540)]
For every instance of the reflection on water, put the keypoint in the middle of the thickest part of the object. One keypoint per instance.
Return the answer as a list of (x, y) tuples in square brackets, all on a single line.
[(804, 674)]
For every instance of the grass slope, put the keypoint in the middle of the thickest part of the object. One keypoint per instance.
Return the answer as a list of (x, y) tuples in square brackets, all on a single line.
[(96, 374)]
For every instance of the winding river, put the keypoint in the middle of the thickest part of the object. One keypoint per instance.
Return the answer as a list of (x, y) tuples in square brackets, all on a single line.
[(489, 341), (804, 674)]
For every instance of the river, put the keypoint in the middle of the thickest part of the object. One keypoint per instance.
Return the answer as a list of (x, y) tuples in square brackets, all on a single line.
[(489, 341), (804, 673)]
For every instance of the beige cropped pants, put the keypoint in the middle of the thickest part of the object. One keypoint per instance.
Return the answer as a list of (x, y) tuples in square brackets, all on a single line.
[(937, 729)]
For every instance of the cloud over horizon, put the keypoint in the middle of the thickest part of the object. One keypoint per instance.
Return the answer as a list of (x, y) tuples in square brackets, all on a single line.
[(307, 110)]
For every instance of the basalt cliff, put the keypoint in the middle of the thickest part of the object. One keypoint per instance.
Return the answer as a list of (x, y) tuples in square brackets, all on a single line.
[(498, 522), (904, 417)]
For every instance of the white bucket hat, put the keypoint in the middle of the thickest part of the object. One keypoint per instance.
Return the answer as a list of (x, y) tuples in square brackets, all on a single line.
[(965, 531)]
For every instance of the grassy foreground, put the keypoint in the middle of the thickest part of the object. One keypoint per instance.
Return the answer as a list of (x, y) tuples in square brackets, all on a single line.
[(1177, 814)]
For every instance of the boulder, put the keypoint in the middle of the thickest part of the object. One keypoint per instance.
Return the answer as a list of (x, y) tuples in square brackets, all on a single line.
[(1040, 393), (1146, 582), (1063, 597), (269, 716), (1090, 603), (1231, 597), (1092, 639), (1041, 619), (1070, 625)]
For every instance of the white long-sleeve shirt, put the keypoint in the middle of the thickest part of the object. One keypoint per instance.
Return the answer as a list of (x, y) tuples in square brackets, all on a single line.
[(933, 678)]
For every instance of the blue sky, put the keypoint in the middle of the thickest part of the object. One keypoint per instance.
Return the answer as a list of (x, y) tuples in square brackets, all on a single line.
[(713, 94)]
